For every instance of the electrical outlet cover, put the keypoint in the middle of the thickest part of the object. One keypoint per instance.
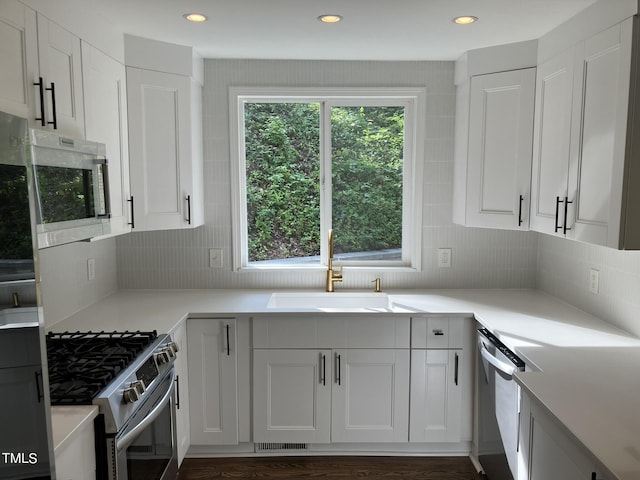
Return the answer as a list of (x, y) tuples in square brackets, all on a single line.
[(215, 258), (444, 257)]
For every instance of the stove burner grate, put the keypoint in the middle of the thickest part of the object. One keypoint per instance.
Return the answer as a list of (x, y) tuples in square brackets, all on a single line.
[(81, 364)]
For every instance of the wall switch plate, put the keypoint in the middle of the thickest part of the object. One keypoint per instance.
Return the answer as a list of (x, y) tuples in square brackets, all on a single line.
[(91, 269), (215, 258), (444, 257), (594, 281)]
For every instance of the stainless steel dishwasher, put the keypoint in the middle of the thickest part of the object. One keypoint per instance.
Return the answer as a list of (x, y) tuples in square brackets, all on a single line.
[(498, 408)]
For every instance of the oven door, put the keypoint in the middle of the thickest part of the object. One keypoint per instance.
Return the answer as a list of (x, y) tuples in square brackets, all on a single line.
[(146, 448)]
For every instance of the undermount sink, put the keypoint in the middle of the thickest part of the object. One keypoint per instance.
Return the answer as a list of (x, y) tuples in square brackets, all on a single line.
[(327, 300), (25, 316)]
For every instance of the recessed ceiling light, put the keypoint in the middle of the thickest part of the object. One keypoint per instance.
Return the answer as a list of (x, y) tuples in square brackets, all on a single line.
[(330, 18), (465, 20), (195, 17)]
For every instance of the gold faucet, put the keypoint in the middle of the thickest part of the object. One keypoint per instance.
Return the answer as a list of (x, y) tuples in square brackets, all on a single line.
[(331, 276)]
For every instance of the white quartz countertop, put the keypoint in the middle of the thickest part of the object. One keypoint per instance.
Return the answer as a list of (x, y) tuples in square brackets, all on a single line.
[(588, 368)]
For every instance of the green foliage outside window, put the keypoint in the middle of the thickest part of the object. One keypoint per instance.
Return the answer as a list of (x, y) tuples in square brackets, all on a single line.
[(282, 148)]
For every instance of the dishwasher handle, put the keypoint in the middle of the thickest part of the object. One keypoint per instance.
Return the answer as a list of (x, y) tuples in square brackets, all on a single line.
[(504, 367)]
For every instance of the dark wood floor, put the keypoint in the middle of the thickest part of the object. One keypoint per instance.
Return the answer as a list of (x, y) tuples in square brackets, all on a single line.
[(341, 467)]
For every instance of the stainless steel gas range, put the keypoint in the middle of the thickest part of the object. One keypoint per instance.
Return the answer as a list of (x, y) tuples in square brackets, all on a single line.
[(130, 377)]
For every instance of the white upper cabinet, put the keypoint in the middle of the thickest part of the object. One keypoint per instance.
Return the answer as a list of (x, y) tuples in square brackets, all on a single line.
[(582, 167), (499, 157), (19, 59), (552, 138), (597, 175), (59, 58), (165, 146), (41, 77), (105, 97), (494, 130)]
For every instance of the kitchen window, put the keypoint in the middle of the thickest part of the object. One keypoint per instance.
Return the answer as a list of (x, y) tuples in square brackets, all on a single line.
[(312, 160)]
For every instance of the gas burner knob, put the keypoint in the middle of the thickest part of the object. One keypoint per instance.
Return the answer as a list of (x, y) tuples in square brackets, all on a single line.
[(169, 351), (174, 347), (132, 394), (162, 357)]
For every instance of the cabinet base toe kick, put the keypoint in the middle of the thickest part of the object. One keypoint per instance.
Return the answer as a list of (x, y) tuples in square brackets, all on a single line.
[(250, 449)]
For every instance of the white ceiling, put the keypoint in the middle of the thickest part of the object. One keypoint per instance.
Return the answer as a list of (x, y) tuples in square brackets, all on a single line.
[(370, 30)]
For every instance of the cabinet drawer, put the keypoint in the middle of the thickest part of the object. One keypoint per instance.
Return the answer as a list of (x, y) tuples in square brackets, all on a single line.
[(20, 347), (331, 332), (437, 332)]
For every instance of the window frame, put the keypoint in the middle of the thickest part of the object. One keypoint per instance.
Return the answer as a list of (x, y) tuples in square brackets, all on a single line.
[(414, 101)]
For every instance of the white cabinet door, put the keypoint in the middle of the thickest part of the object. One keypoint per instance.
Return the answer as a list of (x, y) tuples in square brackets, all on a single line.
[(61, 70), (580, 139), (552, 141), (546, 451), (499, 153), (370, 396), (105, 100), (179, 336), (597, 170), (213, 396), (292, 396), (77, 459), (165, 150), (436, 394), (19, 59)]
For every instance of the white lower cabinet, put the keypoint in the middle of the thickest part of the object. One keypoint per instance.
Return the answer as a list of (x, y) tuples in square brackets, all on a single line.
[(334, 380), (76, 460), (370, 395), (436, 395), (547, 451), (292, 396), (322, 396), (179, 336), (213, 381), (441, 393)]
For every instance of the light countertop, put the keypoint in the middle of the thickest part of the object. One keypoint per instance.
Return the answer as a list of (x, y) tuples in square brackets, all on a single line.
[(66, 421), (588, 378)]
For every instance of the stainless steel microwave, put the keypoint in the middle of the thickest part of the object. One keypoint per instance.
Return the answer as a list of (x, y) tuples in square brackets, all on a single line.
[(71, 188)]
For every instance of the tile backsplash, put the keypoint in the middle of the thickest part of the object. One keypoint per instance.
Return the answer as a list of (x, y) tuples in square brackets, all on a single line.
[(481, 258), (179, 259), (66, 287), (563, 269)]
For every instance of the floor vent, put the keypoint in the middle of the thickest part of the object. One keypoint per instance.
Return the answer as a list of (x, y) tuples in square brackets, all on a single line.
[(281, 447)]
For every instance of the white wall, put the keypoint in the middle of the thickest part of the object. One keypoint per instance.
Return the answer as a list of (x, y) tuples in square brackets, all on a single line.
[(179, 259), (563, 270), (66, 288)]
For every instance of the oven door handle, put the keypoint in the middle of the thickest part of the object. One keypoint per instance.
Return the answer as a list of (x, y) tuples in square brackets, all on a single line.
[(504, 367), (128, 438)]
